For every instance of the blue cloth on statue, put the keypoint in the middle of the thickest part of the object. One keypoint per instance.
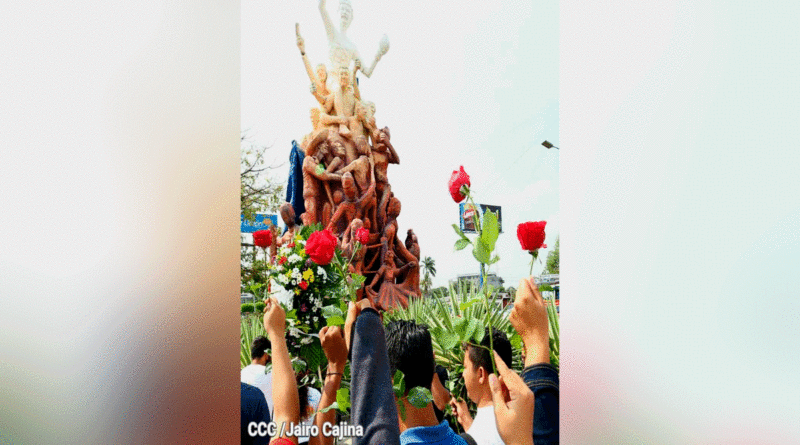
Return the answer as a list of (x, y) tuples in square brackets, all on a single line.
[(294, 188)]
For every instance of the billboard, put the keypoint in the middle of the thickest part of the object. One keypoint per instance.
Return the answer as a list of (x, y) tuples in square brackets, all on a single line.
[(263, 222), (466, 211)]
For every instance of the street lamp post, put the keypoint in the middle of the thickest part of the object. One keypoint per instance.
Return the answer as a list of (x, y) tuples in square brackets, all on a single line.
[(548, 145)]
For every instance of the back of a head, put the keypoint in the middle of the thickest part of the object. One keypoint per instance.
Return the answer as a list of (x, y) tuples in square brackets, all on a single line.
[(480, 356), (260, 347), (410, 350)]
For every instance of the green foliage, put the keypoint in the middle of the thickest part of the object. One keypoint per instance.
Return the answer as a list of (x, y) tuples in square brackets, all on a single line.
[(247, 308), (428, 266), (259, 192), (545, 288), (462, 320), (551, 265), (251, 327), (260, 306)]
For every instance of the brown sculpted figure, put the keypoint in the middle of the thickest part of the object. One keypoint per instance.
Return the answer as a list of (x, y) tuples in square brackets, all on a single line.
[(383, 155), (410, 283), (360, 167), (352, 207), (313, 178), (287, 215), (389, 294)]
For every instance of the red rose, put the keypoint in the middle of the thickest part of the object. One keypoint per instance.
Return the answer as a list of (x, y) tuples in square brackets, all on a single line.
[(531, 235), (262, 238), (457, 179), (282, 260), (320, 247), (362, 235), (303, 285), (290, 245)]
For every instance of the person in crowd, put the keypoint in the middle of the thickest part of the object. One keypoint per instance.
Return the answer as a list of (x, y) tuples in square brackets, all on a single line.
[(372, 402), (254, 410), (284, 386), (333, 344), (477, 367), (529, 318), (410, 350), (513, 404), (255, 373), (309, 398)]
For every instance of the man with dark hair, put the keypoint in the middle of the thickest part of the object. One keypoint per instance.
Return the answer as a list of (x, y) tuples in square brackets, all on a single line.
[(477, 367), (410, 350), (255, 373), (253, 410)]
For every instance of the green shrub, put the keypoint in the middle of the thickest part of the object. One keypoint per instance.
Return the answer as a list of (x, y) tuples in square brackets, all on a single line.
[(247, 308), (260, 306), (252, 326)]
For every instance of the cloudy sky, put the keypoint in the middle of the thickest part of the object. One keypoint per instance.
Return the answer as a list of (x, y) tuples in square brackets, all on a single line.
[(480, 91)]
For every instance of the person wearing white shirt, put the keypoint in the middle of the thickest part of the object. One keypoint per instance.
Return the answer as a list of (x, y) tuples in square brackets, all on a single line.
[(255, 373), (477, 367)]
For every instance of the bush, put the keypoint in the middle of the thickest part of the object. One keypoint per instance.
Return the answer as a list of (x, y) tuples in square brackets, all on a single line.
[(247, 308), (251, 327), (260, 306)]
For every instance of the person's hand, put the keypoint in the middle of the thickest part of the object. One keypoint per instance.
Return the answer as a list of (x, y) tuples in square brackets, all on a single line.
[(529, 318), (334, 346), (461, 411), (353, 311), (513, 405), (274, 319)]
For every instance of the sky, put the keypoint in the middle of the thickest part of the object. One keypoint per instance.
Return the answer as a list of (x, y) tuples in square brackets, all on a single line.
[(480, 91)]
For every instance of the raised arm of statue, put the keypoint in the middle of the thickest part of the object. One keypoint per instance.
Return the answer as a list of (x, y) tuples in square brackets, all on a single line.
[(383, 48), (326, 20)]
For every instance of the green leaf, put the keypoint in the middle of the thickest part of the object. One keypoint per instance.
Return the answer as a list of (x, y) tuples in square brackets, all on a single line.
[(516, 341), (495, 259), (479, 332), (461, 244), (334, 321), (419, 397), (467, 304), (491, 230), (358, 280), (343, 399), (469, 332), (331, 311), (481, 250), (460, 327), (459, 232), (399, 384), (299, 365), (334, 405), (402, 408), (292, 314), (449, 340)]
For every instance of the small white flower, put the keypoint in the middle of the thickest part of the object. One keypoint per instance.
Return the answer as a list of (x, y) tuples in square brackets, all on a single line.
[(295, 258), (306, 340), (294, 282), (316, 319)]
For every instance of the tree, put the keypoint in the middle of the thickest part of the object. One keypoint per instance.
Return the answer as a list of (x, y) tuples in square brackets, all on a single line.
[(259, 192), (428, 266), (551, 265)]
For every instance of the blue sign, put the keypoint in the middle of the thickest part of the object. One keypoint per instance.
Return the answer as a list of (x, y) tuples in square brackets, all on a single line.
[(262, 222)]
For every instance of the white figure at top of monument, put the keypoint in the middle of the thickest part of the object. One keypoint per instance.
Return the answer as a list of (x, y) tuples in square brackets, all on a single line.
[(342, 50)]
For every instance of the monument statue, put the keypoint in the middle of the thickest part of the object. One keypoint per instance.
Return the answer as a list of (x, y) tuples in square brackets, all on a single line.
[(345, 177)]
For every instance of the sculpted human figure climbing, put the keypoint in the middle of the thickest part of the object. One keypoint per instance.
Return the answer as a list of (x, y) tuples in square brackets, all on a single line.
[(312, 179)]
